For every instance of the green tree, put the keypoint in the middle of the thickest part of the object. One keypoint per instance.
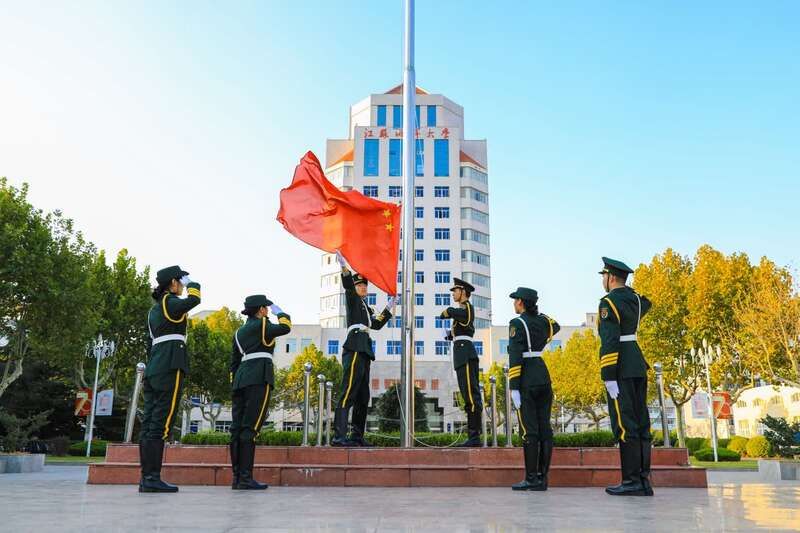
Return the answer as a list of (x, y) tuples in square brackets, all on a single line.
[(387, 407), (495, 370), (289, 382)]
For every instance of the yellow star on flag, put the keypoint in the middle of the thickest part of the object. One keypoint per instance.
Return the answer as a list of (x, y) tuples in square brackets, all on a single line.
[(389, 227), (387, 213)]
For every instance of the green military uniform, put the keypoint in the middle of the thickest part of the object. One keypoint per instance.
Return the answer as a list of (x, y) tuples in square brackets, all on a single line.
[(167, 365), (622, 362), (357, 356), (252, 378), (528, 334), (466, 360)]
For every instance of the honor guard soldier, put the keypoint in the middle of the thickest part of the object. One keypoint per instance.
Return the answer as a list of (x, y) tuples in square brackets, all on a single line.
[(167, 366), (357, 356), (529, 380), (253, 378), (624, 370), (465, 357)]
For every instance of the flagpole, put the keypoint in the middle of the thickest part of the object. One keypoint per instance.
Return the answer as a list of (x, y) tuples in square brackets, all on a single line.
[(407, 301)]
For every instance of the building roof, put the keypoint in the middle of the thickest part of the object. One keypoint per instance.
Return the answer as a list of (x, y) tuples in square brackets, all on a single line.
[(399, 90), (464, 158), (348, 156)]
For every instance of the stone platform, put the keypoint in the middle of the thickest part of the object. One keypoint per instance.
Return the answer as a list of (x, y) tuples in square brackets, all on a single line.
[(392, 467)]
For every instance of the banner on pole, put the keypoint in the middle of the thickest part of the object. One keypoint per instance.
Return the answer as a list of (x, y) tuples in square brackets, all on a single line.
[(105, 402), (83, 402)]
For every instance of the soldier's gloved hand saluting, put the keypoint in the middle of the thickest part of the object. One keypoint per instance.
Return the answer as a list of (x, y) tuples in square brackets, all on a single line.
[(613, 389), (275, 309), (391, 303), (516, 398), (340, 259), (185, 280)]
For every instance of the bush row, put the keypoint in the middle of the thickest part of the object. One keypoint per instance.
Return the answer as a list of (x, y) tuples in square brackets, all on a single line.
[(98, 448)]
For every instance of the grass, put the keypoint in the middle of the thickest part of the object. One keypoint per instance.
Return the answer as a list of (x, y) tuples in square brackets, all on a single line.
[(72, 459), (744, 464)]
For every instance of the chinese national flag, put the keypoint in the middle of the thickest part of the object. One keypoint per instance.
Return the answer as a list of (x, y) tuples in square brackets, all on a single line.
[(366, 231)]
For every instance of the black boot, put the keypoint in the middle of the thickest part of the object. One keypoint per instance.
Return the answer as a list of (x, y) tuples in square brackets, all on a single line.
[(531, 481), (631, 459), (545, 455), (247, 456), (359, 426), (151, 482), (473, 430), (340, 428), (234, 462), (143, 463), (645, 474)]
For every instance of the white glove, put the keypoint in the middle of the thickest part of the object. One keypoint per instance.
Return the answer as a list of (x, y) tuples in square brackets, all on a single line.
[(185, 281), (516, 398), (340, 259), (391, 302), (275, 309), (613, 389), (446, 334)]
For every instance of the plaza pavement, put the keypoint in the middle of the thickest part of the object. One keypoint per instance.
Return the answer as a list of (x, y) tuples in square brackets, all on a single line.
[(58, 499)]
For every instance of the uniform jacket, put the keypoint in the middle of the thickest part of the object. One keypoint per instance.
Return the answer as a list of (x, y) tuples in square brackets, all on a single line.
[(619, 314), (256, 335), (358, 312), (463, 326), (524, 372), (168, 316)]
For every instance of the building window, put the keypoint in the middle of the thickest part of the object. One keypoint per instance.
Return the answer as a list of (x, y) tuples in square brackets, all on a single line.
[(370, 190), (376, 383), (419, 233), (503, 345), (419, 255), (741, 403), (222, 426), (475, 236), (420, 157), (395, 322), (442, 323), (481, 302), (479, 280), (796, 397), (371, 157), (194, 426), (441, 212), (419, 298), (291, 345), (442, 255), (395, 157), (397, 116), (393, 347), (478, 347), (333, 347), (456, 398), (474, 194), (395, 191), (419, 347), (305, 342), (419, 191), (431, 116), (419, 322), (416, 112), (371, 298), (441, 191), (399, 276), (442, 348), (419, 212), (441, 157), (477, 175), (442, 298), (441, 234), (475, 257), (381, 115), (467, 213), (441, 277), (419, 277), (482, 323)]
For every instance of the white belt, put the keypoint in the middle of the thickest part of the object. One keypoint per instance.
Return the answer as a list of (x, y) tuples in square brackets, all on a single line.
[(171, 337), (627, 338), (256, 355), (528, 355), (462, 338), (360, 327)]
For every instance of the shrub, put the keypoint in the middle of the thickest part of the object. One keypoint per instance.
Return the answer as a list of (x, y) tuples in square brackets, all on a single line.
[(207, 438), (759, 447), (723, 454), (695, 443), (98, 448), (784, 438), (18, 431), (738, 444), (658, 438), (586, 439)]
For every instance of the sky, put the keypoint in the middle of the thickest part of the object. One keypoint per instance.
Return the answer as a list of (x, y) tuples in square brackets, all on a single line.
[(614, 128)]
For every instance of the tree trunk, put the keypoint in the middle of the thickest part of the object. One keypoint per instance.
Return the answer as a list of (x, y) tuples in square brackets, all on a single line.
[(680, 424)]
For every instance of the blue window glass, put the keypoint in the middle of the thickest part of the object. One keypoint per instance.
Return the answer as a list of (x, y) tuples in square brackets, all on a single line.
[(442, 348), (442, 298), (419, 255), (393, 347), (419, 321), (442, 323), (420, 163), (419, 212), (417, 123), (333, 347), (381, 115), (395, 157), (395, 191), (478, 347), (397, 116), (554, 345), (442, 277), (419, 298), (371, 298), (371, 157), (442, 255), (503, 345), (419, 191), (419, 277), (419, 347), (441, 212), (441, 191), (370, 190), (419, 233), (441, 157), (441, 234), (373, 347), (399, 276), (431, 116)]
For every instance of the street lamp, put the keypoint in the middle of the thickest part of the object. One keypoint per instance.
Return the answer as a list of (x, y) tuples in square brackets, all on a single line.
[(99, 349), (707, 354), (660, 381)]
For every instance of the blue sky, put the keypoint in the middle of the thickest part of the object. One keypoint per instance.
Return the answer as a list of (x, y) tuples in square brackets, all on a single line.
[(614, 128)]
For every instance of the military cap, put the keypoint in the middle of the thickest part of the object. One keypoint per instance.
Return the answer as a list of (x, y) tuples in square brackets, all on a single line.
[(459, 283), (524, 293), (358, 278), (617, 268), (255, 301), (165, 275)]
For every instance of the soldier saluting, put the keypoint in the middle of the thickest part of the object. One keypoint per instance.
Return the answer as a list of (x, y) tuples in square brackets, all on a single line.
[(167, 365), (252, 378), (357, 356), (624, 371), (529, 381), (465, 357)]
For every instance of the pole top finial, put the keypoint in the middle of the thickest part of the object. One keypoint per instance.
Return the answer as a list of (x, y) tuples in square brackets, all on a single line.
[(140, 367), (307, 367), (321, 377), (492, 379)]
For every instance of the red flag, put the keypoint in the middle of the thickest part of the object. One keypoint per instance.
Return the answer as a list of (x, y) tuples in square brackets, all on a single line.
[(365, 230)]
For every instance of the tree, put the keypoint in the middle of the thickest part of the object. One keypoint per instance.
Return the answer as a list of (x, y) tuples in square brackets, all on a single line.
[(575, 373), (387, 407), (289, 382), (500, 391)]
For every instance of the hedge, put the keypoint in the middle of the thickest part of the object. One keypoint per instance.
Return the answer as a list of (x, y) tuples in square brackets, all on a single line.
[(759, 446), (98, 448), (738, 444), (695, 443), (723, 454), (658, 438)]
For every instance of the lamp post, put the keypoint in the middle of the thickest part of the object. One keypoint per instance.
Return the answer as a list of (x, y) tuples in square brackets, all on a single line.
[(706, 353), (660, 382), (100, 349)]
